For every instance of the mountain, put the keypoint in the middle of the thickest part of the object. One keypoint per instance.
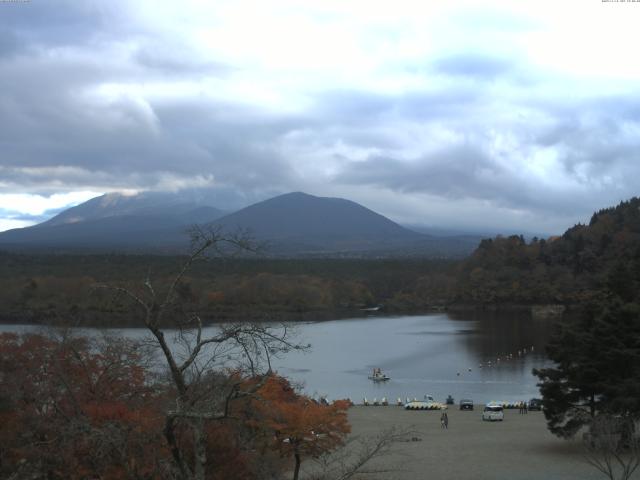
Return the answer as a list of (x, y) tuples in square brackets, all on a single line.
[(301, 222), (147, 204), (294, 224), (114, 221)]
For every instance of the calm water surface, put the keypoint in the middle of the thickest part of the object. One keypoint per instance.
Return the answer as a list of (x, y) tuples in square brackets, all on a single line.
[(436, 354)]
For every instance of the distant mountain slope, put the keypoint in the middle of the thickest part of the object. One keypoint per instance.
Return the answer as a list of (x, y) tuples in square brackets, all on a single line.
[(301, 224), (147, 221), (294, 224), (138, 205), (122, 233), (303, 216)]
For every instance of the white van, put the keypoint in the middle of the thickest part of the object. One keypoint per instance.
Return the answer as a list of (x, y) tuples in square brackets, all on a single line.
[(493, 412)]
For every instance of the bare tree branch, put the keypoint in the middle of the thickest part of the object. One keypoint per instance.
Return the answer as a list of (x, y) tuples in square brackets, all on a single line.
[(358, 455), (201, 396), (612, 446)]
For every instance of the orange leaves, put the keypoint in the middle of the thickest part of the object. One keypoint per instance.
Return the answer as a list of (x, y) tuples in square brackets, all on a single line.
[(300, 424), (84, 408), (72, 405)]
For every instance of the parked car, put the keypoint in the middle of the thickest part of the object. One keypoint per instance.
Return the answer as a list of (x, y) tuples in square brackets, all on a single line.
[(493, 412), (466, 404), (535, 404)]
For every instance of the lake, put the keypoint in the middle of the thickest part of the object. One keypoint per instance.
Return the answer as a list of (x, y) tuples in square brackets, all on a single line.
[(435, 354)]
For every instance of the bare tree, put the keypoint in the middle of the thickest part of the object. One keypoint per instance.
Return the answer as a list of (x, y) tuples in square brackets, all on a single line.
[(197, 357), (361, 456), (613, 446)]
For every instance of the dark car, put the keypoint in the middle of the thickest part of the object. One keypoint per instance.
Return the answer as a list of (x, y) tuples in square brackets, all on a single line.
[(535, 404), (466, 404)]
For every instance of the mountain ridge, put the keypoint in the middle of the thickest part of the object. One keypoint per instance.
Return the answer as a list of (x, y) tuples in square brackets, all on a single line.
[(292, 224)]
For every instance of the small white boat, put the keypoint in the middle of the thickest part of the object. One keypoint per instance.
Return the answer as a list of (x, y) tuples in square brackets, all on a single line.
[(378, 376), (370, 309)]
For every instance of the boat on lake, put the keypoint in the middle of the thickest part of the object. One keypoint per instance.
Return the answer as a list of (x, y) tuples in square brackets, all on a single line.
[(378, 376), (370, 309)]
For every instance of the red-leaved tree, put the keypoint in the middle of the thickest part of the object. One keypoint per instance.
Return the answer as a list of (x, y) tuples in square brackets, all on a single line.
[(73, 408), (299, 426)]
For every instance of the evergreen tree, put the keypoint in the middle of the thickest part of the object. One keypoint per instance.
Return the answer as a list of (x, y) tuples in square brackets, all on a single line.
[(597, 357)]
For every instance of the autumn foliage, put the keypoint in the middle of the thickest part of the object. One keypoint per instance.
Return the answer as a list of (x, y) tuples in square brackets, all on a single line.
[(73, 408), (301, 427)]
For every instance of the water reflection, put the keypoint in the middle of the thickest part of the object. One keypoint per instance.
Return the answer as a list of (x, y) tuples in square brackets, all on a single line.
[(505, 336)]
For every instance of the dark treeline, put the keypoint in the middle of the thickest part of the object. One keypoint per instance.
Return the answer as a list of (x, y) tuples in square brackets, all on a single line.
[(567, 270), (61, 288)]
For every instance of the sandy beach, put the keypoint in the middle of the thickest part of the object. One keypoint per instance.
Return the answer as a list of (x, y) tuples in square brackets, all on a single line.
[(518, 448)]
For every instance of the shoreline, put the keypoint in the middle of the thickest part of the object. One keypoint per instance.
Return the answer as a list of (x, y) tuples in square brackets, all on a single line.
[(97, 319)]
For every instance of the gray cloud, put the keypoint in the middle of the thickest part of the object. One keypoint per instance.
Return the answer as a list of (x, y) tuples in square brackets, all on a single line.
[(595, 147), (63, 22), (172, 61), (16, 215), (10, 43), (468, 131), (60, 132), (473, 65)]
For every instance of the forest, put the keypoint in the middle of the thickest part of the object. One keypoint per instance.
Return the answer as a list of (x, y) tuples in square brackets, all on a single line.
[(567, 270), (61, 288), (502, 272)]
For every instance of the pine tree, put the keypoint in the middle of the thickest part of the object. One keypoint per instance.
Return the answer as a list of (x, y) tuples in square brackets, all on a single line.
[(597, 356)]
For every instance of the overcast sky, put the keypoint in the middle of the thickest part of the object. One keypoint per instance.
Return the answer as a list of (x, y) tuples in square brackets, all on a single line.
[(515, 116)]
